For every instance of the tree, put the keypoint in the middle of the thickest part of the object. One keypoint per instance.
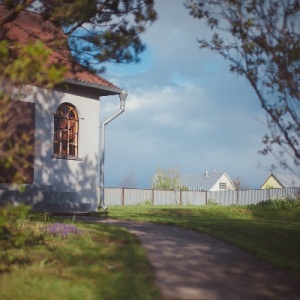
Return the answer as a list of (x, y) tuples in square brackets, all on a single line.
[(239, 184), (16, 129), (96, 31), (128, 181), (167, 179), (264, 47)]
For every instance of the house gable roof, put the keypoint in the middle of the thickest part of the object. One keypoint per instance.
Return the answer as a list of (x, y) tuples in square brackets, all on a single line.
[(287, 180), (201, 181), (29, 26)]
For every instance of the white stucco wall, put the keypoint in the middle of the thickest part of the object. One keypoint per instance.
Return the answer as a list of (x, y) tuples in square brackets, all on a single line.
[(63, 174)]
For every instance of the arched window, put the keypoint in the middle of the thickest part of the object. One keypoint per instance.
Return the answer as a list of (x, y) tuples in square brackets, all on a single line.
[(65, 138)]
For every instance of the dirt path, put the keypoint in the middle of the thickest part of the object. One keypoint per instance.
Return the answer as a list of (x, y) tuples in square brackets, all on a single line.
[(190, 265)]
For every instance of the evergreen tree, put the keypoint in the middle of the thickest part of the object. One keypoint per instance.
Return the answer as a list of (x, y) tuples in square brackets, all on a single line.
[(96, 31)]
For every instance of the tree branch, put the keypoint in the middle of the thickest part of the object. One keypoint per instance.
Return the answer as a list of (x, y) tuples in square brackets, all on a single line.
[(14, 12)]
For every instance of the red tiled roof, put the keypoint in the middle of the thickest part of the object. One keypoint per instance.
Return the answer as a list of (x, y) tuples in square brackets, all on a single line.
[(29, 26)]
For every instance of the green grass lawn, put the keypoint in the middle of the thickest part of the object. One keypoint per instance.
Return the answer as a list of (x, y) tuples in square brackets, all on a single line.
[(99, 261), (93, 262), (267, 231)]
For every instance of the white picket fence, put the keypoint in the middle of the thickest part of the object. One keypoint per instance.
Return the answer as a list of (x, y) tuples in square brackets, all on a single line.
[(122, 196)]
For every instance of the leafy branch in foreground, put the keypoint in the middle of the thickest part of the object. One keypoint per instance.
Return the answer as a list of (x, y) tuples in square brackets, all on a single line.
[(94, 32), (97, 31), (16, 128), (263, 46)]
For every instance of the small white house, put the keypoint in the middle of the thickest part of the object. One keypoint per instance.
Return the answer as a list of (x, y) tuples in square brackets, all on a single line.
[(65, 173), (207, 182)]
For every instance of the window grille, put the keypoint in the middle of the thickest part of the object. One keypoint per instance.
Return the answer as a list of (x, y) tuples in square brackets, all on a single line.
[(65, 138), (222, 186)]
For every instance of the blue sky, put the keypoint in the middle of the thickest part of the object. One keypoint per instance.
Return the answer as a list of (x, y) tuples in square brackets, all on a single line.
[(183, 109)]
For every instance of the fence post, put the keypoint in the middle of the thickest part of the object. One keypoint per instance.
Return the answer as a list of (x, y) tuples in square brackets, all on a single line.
[(152, 197), (206, 197), (123, 200), (180, 197)]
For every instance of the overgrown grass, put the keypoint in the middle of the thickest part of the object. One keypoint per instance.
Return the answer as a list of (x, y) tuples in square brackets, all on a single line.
[(42, 258), (270, 230), (51, 260)]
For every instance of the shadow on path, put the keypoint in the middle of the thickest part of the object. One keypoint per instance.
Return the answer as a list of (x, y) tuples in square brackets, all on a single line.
[(190, 265)]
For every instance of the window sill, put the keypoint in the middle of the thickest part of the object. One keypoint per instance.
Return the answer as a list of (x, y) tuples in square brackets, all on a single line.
[(66, 157)]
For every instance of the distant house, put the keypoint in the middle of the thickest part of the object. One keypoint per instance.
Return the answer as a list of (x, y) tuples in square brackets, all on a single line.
[(207, 182), (65, 121), (279, 181)]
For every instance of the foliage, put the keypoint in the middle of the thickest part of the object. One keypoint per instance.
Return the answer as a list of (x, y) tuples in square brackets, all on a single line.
[(13, 236), (10, 235), (211, 202), (75, 266), (239, 184), (16, 134), (28, 65), (269, 187), (128, 181), (263, 46), (97, 30), (279, 203), (148, 202), (167, 179)]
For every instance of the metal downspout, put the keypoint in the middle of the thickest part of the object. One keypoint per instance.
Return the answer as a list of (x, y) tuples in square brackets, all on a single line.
[(101, 148)]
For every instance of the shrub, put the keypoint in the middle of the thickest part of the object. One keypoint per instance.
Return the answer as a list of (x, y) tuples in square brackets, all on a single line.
[(211, 202), (17, 234), (280, 203), (10, 235)]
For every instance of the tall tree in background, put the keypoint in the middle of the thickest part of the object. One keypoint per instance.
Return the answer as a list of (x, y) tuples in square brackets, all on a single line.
[(240, 185), (167, 179), (96, 31), (263, 46)]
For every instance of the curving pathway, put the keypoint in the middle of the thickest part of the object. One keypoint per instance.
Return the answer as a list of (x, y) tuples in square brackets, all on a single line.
[(189, 265)]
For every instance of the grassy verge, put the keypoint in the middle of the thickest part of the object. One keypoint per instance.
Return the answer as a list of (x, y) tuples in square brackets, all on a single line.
[(44, 260), (267, 231)]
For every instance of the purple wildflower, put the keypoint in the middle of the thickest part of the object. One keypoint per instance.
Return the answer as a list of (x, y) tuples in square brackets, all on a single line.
[(62, 230)]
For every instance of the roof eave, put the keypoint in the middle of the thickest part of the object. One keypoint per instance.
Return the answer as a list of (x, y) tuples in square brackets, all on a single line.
[(108, 90)]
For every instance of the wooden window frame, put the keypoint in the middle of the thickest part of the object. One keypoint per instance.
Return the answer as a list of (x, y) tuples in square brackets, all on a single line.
[(66, 132)]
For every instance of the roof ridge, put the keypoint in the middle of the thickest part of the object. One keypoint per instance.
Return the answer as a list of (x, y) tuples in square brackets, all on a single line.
[(204, 173)]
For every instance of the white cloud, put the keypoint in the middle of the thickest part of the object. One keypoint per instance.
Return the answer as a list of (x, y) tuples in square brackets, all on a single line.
[(183, 108)]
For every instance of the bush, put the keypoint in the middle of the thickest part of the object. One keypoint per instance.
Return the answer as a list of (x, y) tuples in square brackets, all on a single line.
[(280, 203), (10, 235), (212, 202), (16, 235)]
